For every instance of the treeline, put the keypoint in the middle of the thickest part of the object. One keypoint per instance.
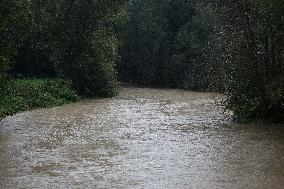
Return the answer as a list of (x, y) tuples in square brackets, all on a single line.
[(167, 44), (74, 40), (251, 33), (69, 38), (233, 47)]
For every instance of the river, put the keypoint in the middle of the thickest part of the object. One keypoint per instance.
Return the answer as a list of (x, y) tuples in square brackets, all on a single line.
[(143, 138)]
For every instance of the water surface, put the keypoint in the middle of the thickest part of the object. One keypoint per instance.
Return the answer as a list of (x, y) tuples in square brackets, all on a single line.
[(144, 138)]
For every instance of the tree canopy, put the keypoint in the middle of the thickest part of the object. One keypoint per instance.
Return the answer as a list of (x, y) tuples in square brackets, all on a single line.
[(232, 47)]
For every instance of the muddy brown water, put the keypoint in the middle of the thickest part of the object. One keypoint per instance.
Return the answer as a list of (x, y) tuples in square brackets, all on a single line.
[(144, 138)]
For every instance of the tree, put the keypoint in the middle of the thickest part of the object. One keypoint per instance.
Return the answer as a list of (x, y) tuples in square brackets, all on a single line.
[(251, 32), (166, 44), (86, 46), (14, 16)]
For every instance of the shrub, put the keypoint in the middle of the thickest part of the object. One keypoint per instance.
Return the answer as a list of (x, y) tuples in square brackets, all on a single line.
[(23, 95)]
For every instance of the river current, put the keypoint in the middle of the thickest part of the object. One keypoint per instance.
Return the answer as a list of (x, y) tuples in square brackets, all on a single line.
[(143, 138)]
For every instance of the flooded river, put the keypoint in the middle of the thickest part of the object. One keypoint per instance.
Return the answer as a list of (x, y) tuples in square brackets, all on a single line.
[(144, 138)]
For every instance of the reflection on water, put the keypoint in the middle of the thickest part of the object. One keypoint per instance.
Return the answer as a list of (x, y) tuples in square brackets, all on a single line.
[(144, 138)]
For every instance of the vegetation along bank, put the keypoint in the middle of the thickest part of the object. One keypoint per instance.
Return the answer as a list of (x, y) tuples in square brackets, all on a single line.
[(232, 47)]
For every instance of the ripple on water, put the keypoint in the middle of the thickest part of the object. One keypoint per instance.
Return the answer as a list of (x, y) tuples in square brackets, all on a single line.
[(144, 138)]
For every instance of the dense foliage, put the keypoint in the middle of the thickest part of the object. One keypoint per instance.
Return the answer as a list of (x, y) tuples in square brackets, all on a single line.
[(14, 18), (70, 38), (167, 43), (23, 95), (85, 44), (232, 47), (251, 34)]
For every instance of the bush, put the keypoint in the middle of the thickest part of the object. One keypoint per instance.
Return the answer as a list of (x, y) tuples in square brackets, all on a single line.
[(23, 95)]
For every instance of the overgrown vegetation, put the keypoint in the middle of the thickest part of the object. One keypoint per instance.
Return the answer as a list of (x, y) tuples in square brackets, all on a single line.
[(21, 95), (251, 33), (167, 44), (70, 39), (233, 47)]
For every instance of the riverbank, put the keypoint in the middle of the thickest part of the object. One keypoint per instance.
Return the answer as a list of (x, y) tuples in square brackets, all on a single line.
[(27, 94)]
